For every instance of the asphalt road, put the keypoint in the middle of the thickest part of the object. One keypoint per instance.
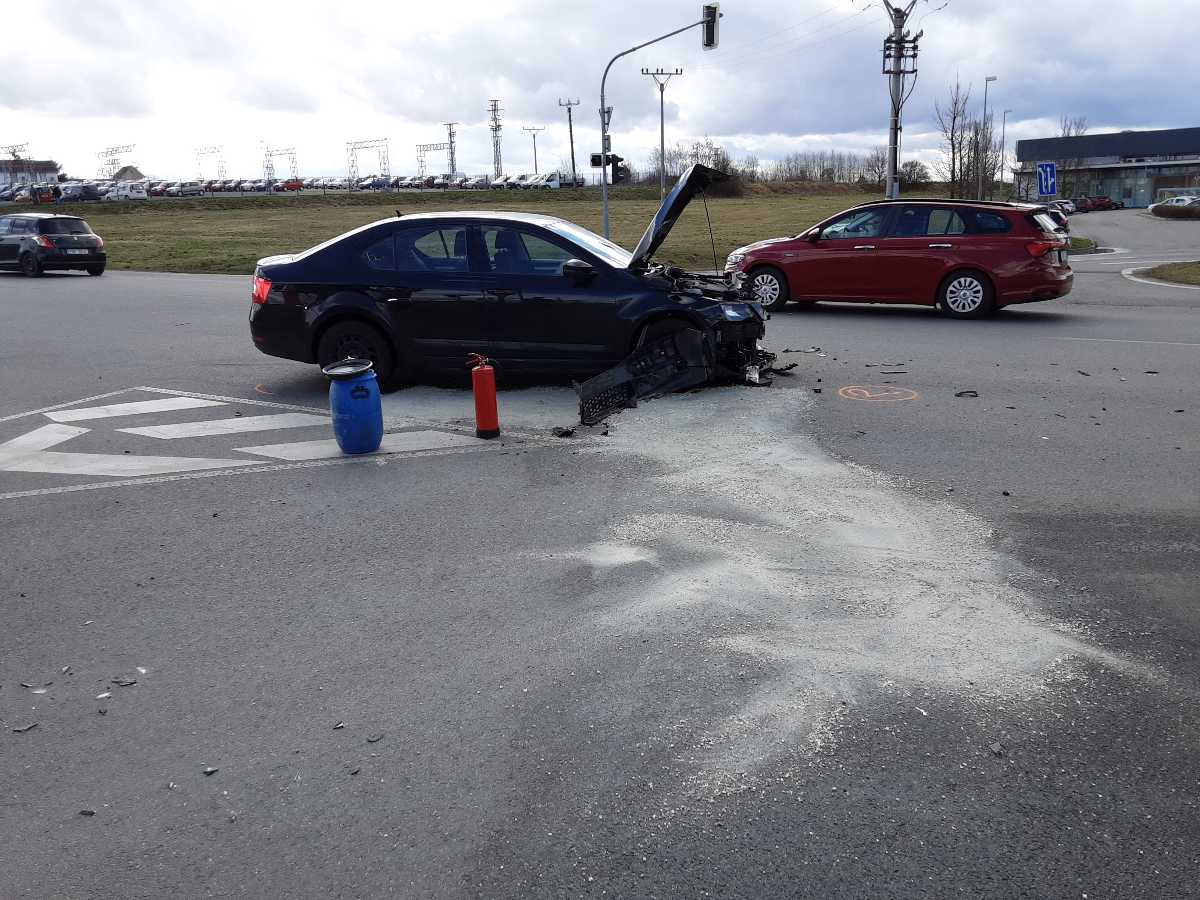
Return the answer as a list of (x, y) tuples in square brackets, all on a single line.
[(752, 643)]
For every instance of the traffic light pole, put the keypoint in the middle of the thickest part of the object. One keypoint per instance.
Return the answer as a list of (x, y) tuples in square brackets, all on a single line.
[(605, 113)]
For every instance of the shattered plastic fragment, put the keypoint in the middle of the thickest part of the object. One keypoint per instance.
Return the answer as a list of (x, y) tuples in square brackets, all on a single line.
[(211, 770), (375, 738), (339, 725), (24, 728), (561, 432), (967, 394), (87, 812), (104, 696)]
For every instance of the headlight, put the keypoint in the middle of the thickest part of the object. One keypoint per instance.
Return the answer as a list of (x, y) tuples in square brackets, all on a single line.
[(737, 312), (734, 259)]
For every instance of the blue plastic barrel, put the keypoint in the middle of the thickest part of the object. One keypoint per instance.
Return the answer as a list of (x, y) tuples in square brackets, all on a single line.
[(355, 405)]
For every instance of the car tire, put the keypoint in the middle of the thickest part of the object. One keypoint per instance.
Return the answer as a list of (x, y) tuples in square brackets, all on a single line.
[(966, 295), (768, 286), (31, 266), (350, 337), (95, 270)]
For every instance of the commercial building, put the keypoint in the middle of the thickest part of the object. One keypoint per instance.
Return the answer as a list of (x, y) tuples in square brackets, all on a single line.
[(27, 171), (1136, 167)]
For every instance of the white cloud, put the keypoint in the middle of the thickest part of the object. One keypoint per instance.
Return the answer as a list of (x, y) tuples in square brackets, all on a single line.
[(173, 76)]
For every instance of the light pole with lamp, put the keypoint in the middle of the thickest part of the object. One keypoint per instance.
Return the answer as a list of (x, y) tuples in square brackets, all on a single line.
[(980, 152)]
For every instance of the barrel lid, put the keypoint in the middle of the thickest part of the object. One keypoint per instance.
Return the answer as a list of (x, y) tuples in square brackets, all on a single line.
[(346, 369)]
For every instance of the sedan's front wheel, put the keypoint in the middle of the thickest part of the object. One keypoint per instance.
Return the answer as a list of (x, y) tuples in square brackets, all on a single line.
[(769, 288), (358, 340), (966, 295)]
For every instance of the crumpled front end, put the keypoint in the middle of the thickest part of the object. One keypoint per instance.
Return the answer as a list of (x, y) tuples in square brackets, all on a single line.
[(727, 351)]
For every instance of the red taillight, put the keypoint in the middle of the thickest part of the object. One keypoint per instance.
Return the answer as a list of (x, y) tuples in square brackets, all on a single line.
[(262, 287), (1041, 248), (46, 242), (99, 242)]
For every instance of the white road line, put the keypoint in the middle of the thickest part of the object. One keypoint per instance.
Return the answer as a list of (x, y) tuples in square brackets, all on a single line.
[(46, 409), (137, 408), (400, 442), (1126, 341), (269, 404), (40, 439), (228, 426), (1154, 282), (247, 468), (112, 465)]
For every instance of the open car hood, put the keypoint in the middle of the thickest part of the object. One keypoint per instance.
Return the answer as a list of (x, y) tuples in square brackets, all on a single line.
[(694, 181)]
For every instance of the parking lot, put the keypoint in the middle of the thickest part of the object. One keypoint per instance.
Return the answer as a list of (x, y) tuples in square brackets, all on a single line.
[(918, 618)]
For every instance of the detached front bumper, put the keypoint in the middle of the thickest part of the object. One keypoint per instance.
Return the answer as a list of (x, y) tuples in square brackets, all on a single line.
[(727, 352)]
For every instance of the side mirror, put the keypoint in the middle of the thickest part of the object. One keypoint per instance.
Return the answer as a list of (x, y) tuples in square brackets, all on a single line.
[(578, 270), (813, 236)]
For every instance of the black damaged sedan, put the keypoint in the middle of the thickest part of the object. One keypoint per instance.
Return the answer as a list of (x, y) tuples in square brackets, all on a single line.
[(418, 293)]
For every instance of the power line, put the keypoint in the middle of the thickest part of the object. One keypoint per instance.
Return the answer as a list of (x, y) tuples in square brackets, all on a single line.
[(568, 103), (803, 43), (661, 77), (533, 131), (494, 112)]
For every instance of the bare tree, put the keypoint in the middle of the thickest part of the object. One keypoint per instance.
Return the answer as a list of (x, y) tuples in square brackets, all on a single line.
[(956, 138), (914, 173), (875, 166), (1069, 127)]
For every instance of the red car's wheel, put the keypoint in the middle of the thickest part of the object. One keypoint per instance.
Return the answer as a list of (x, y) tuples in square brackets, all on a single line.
[(768, 287)]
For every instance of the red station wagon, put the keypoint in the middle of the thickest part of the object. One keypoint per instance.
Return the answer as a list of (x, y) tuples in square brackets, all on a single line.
[(968, 258)]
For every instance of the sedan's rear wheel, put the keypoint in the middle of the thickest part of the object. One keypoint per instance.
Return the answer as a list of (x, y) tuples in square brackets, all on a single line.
[(358, 340), (769, 287), (31, 266), (966, 295), (95, 270)]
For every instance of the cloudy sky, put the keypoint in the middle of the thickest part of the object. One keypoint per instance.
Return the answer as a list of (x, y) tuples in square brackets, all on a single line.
[(169, 76)]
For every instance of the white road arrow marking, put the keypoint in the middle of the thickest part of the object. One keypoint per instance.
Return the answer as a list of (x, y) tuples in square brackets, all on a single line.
[(29, 453), (228, 426), (138, 408)]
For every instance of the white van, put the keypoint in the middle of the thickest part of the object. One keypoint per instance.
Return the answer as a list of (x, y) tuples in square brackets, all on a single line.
[(127, 191)]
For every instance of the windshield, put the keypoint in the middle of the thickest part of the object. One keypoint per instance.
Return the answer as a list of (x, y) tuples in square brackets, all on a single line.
[(612, 254), (64, 226)]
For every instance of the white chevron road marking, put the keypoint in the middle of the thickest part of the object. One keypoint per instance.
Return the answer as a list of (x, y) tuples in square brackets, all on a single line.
[(30, 453), (138, 408), (401, 442), (228, 426)]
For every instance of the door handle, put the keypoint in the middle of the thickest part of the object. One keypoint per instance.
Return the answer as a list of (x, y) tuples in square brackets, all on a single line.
[(498, 294), (398, 302), (941, 246), (865, 247)]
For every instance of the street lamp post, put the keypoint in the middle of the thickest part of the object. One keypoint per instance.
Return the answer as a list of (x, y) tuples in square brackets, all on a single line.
[(534, 133), (980, 152)]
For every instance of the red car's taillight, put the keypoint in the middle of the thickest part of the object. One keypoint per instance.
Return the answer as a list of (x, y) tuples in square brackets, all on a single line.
[(1038, 249), (262, 287), (46, 242)]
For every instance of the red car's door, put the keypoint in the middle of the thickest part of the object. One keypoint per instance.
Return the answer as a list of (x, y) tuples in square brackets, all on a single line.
[(841, 262), (924, 243)]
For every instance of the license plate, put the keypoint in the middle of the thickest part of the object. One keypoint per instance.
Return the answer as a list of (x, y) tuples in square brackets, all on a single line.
[(79, 252)]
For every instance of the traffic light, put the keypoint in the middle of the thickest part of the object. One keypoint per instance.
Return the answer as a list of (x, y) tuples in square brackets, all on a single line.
[(620, 172), (710, 19), (597, 160)]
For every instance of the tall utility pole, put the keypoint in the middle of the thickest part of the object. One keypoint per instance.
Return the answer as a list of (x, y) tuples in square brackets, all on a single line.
[(1004, 144), (899, 62), (451, 159), (709, 24), (494, 112), (662, 128), (568, 103), (533, 130), (981, 151)]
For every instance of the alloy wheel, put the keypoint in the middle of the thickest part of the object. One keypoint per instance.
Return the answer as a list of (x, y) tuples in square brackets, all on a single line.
[(765, 288), (965, 294)]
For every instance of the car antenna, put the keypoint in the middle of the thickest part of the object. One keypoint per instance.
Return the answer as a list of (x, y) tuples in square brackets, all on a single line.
[(711, 239)]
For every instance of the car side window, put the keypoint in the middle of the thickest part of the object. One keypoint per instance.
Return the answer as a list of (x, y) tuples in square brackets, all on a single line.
[(945, 221), (381, 255), (4, 223), (865, 223), (517, 250), (19, 226), (991, 223), (432, 249)]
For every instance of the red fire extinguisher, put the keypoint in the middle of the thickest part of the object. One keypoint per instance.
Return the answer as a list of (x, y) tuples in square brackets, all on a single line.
[(483, 384)]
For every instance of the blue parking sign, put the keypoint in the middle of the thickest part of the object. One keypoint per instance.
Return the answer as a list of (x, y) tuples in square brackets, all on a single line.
[(1047, 179)]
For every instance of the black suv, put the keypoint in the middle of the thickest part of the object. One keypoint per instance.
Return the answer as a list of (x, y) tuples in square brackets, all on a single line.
[(39, 242)]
